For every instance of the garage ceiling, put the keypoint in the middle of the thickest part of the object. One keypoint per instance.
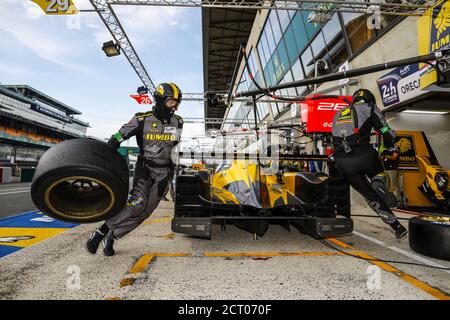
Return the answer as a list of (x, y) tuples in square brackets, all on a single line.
[(223, 32)]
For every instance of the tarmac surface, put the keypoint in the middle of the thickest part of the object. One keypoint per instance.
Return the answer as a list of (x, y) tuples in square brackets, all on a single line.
[(154, 263), (15, 198)]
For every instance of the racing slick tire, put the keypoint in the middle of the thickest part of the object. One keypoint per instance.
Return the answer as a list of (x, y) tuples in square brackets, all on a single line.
[(430, 235), (80, 180)]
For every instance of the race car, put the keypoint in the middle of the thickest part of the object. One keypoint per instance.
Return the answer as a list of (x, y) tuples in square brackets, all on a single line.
[(246, 194), (252, 193)]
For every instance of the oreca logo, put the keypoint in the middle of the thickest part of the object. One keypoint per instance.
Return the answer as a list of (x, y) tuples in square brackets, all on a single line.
[(331, 106), (327, 125)]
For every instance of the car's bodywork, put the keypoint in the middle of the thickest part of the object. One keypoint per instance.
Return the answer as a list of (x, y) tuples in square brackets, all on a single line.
[(252, 196)]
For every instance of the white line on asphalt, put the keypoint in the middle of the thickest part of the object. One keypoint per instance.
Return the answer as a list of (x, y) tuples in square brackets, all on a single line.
[(3, 190), (381, 243), (5, 193), (401, 251)]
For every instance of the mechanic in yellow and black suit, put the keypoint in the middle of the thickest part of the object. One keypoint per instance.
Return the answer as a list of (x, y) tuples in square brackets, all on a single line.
[(157, 133), (356, 159)]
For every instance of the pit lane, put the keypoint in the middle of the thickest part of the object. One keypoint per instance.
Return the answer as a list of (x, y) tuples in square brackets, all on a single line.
[(154, 263), (15, 198)]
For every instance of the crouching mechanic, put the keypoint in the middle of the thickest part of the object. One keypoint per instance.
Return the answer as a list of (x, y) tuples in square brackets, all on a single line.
[(356, 159), (157, 133)]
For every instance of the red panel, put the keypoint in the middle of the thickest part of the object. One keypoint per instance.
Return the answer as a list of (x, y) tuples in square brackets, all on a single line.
[(318, 112), (142, 99)]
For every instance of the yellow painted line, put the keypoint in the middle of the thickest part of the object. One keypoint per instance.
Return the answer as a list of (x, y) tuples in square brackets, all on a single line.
[(126, 282), (157, 220), (178, 254), (271, 254), (35, 235), (142, 263), (113, 298), (340, 243), (168, 236), (438, 294), (406, 277)]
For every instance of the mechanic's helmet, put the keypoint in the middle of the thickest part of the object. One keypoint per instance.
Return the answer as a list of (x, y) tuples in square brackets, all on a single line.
[(363, 95), (168, 97)]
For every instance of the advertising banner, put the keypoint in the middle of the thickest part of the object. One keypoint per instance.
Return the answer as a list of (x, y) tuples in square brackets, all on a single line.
[(401, 84), (318, 112), (405, 143), (433, 29), (41, 109)]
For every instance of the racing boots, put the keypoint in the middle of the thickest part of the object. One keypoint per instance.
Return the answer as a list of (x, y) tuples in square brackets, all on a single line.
[(400, 231), (94, 240), (108, 244)]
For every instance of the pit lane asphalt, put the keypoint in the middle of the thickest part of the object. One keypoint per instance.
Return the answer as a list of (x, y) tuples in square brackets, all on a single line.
[(15, 198), (154, 263)]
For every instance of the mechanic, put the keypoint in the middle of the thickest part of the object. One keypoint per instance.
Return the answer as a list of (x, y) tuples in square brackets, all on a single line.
[(356, 159), (390, 161), (157, 133), (169, 187)]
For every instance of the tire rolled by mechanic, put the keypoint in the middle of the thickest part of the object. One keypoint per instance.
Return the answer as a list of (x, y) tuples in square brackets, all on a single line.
[(430, 235), (80, 180)]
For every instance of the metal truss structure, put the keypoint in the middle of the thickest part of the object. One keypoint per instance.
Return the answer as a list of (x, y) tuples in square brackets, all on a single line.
[(112, 23), (202, 97), (211, 121), (388, 7)]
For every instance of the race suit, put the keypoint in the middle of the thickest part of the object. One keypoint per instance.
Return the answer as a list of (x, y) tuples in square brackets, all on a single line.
[(156, 139), (360, 161)]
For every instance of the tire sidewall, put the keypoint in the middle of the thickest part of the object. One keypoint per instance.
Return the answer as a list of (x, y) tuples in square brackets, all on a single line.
[(44, 181)]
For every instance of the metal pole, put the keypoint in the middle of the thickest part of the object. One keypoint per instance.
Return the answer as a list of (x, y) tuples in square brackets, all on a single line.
[(316, 70), (235, 72), (349, 73)]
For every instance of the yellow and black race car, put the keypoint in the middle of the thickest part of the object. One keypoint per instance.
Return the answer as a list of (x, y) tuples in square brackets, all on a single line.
[(252, 196)]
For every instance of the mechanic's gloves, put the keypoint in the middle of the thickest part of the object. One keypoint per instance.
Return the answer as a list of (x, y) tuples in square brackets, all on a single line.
[(388, 140), (391, 154)]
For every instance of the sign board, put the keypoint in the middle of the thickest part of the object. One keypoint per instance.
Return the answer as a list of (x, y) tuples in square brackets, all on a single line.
[(401, 84), (142, 99), (41, 109), (318, 113), (405, 143), (433, 28), (57, 7)]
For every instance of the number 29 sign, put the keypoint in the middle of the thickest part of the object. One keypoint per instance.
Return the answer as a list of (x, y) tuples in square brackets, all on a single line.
[(56, 7)]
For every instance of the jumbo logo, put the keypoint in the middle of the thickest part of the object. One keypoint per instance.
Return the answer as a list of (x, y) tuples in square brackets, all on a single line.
[(407, 160), (160, 90), (404, 145), (160, 137), (440, 27)]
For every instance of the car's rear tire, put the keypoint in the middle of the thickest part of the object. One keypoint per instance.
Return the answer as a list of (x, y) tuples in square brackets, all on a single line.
[(80, 180), (430, 235)]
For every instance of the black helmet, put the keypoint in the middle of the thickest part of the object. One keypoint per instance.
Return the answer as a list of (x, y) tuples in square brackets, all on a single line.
[(364, 95), (163, 93)]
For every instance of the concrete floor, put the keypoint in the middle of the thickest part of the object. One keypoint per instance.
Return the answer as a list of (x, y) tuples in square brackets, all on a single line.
[(154, 263)]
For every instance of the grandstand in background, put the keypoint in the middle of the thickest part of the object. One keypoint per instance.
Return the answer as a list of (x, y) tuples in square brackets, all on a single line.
[(31, 122)]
